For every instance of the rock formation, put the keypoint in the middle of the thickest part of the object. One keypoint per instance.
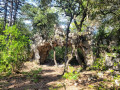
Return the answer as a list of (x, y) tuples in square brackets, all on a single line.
[(40, 47)]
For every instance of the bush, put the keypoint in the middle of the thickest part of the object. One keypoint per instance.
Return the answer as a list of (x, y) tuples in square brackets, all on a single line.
[(13, 49), (72, 74), (99, 64)]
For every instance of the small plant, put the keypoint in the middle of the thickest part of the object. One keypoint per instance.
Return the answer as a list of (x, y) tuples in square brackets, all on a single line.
[(52, 89), (111, 71), (91, 86), (99, 64), (72, 74)]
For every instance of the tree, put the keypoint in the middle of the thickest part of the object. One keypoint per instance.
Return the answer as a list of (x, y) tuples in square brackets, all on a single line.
[(42, 20), (10, 9), (72, 9), (14, 39), (108, 15)]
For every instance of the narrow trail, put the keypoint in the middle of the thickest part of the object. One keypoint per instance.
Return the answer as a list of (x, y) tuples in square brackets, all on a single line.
[(50, 79)]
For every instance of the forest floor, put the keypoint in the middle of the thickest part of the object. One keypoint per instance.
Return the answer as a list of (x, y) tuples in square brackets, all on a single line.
[(49, 79)]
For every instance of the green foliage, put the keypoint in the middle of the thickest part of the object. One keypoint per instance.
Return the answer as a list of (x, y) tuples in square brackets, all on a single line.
[(52, 89), (112, 55), (59, 53), (71, 6), (23, 28), (99, 64), (43, 20), (71, 75), (13, 49), (91, 86)]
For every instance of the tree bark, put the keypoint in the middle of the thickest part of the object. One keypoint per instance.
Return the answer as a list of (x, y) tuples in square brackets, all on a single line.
[(66, 47), (37, 56), (11, 12), (5, 13), (83, 18), (15, 12), (55, 57), (70, 58), (76, 24)]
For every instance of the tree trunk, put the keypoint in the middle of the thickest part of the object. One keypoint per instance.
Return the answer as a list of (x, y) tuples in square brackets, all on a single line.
[(70, 58), (55, 57), (83, 18), (66, 47), (37, 56), (15, 12), (5, 13), (79, 26), (11, 12)]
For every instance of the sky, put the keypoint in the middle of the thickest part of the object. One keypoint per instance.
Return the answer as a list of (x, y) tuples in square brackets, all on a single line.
[(31, 2)]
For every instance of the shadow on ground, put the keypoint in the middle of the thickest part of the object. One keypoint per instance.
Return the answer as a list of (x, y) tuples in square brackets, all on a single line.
[(22, 82)]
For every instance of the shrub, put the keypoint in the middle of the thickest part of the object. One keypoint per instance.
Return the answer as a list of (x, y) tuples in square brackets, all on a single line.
[(13, 49), (99, 64), (72, 74)]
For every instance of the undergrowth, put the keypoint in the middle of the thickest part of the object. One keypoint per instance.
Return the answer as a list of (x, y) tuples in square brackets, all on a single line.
[(72, 74), (33, 75)]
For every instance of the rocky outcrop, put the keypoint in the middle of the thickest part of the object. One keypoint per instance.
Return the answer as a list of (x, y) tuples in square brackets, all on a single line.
[(40, 47)]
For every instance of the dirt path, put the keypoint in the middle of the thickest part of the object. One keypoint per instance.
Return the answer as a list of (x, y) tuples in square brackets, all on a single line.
[(50, 79)]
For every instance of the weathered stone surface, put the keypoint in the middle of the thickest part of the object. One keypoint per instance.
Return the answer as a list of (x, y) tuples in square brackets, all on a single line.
[(112, 60), (40, 47)]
